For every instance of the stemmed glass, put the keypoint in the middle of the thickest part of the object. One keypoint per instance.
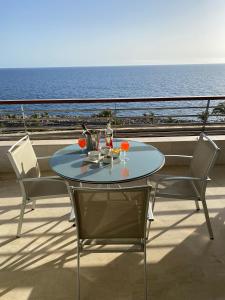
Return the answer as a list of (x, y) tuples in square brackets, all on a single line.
[(82, 144), (124, 146)]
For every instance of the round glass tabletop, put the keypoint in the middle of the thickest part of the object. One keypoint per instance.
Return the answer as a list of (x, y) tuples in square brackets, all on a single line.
[(144, 160)]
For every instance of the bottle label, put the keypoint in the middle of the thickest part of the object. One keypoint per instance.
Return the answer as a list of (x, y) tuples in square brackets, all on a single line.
[(109, 136), (108, 140)]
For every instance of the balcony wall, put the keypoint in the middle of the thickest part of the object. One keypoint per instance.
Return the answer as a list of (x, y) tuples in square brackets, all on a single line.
[(167, 145)]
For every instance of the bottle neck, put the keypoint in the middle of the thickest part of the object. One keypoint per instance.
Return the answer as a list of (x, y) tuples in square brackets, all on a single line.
[(109, 136), (85, 130)]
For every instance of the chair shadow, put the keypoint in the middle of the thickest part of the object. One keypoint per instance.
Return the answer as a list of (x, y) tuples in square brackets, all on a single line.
[(192, 269)]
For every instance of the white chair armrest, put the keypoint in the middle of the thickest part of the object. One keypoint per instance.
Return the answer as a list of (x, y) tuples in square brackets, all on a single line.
[(179, 156), (43, 157), (167, 178)]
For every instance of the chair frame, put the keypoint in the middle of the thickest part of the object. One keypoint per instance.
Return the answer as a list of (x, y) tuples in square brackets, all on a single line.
[(25, 199), (81, 243), (204, 180)]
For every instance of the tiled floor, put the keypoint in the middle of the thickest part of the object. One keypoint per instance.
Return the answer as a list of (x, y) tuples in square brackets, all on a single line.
[(182, 262)]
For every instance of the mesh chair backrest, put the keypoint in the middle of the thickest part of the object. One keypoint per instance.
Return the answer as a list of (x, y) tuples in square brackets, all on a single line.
[(120, 213), (204, 158), (23, 159)]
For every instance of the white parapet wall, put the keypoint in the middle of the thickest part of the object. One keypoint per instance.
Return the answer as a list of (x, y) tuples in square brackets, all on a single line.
[(167, 145)]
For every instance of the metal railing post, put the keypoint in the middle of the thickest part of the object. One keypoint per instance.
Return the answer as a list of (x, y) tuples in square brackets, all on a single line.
[(115, 110), (115, 113), (24, 119), (205, 119)]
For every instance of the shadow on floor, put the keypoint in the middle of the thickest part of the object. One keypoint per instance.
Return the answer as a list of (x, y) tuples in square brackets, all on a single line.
[(193, 269)]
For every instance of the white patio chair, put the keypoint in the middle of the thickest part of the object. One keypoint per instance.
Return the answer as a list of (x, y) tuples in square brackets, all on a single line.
[(111, 216), (33, 186), (193, 186)]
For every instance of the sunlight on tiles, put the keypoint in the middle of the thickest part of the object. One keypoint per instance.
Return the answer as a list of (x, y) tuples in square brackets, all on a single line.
[(20, 293), (44, 258)]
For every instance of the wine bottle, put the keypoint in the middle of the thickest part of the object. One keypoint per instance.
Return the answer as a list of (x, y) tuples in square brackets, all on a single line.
[(109, 135), (85, 130)]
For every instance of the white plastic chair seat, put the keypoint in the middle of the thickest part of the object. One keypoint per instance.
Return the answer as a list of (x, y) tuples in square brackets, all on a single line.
[(46, 189)]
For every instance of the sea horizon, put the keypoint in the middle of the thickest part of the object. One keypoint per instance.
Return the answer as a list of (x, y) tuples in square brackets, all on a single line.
[(112, 82), (111, 66)]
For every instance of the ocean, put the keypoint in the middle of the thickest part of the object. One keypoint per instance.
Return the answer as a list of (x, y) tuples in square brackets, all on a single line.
[(110, 82)]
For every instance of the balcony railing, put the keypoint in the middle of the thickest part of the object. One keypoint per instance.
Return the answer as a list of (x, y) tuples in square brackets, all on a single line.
[(51, 118)]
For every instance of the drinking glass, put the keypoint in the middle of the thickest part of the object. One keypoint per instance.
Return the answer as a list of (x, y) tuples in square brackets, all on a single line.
[(82, 143), (124, 146)]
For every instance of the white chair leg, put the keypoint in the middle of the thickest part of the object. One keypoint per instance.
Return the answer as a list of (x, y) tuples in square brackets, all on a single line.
[(22, 210), (206, 212), (33, 204), (151, 217), (148, 229), (154, 197), (72, 214), (145, 272), (197, 205), (78, 270)]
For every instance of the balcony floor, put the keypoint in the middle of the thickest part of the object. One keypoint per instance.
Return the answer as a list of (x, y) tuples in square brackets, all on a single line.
[(182, 262)]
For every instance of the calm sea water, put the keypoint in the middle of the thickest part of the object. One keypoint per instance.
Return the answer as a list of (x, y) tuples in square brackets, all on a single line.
[(103, 82)]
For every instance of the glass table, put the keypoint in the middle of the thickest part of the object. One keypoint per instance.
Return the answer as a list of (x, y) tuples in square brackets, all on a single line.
[(144, 160)]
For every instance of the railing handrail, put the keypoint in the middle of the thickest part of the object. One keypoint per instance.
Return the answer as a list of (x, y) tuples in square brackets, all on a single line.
[(108, 100)]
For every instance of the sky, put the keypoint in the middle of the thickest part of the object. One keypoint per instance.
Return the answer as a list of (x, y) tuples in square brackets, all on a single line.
[(66, 33)]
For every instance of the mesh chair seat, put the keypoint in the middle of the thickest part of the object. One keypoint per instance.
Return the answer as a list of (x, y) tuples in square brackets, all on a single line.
[(176, 189), (40, 189)]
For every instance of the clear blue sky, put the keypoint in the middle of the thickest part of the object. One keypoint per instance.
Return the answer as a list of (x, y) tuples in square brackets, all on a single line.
[(42, 33)]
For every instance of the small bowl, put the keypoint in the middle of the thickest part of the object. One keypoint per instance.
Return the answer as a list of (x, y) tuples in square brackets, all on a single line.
[(105, 150), (94, 155), (107, 160)]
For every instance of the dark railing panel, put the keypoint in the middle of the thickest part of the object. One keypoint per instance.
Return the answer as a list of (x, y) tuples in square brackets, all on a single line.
[(150, 116)]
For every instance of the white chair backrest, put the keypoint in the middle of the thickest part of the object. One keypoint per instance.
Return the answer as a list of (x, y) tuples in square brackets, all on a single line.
[(111, 213), (23, 159), (204, 158)]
